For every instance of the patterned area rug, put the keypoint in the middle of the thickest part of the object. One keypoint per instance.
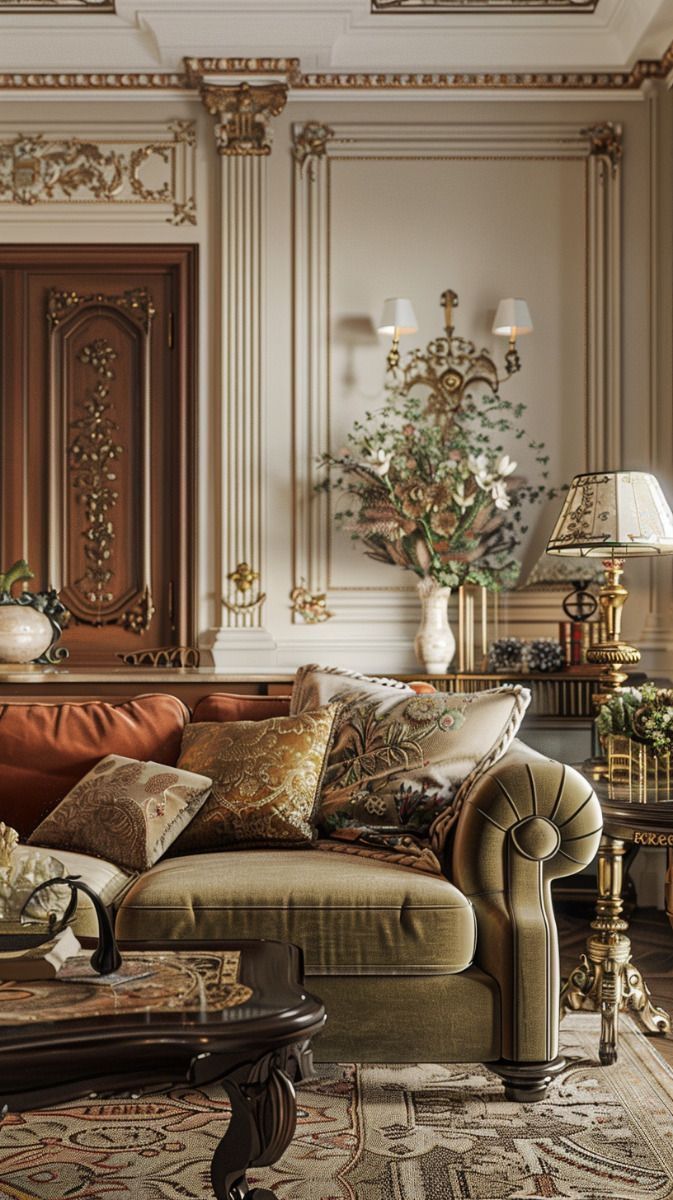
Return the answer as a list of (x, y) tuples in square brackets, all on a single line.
[(376, 1133)]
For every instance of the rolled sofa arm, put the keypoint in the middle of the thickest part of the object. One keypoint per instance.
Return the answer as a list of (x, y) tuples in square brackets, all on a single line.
[(526, 821)]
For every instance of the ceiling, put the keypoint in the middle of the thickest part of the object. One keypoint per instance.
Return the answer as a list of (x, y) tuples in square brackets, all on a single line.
[(337, 35)]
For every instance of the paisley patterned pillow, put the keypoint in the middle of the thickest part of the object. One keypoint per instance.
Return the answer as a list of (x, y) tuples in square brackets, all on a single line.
[(266, 780), (125, 811), (399, 767)]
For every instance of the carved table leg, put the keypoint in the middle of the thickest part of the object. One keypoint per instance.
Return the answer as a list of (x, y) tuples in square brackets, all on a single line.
[(263, 1121), (605, 976)]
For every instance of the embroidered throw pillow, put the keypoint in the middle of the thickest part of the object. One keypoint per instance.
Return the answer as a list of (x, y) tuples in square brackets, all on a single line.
[(125, 811), (401, 766), (266, 780), (315, 686)]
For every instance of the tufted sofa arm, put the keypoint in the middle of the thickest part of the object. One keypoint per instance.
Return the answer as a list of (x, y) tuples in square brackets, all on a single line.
[(526, 821)]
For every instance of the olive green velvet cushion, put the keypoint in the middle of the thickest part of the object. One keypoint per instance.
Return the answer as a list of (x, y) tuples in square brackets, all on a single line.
[(350, 916)]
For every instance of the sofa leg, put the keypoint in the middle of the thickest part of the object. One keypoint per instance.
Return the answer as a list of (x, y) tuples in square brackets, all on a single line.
[(527, 1082), (300, 1062)]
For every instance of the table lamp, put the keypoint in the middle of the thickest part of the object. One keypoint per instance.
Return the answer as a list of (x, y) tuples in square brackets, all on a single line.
[(613, 515)]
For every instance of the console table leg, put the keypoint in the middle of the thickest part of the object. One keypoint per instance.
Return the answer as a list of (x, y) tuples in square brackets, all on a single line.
[(263, 1121), (605, 976)]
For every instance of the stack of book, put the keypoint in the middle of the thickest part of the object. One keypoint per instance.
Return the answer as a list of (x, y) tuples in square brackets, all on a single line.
[(39, 962), (577, 636)]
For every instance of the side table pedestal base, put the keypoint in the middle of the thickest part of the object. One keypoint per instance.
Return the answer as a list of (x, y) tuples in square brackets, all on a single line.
[(605, 977)]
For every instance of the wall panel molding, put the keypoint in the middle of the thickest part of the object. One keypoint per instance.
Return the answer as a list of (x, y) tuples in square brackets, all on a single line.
[(141, 171), (313, 520)]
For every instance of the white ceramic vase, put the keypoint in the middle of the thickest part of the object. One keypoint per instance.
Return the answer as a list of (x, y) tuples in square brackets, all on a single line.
[(434, 643)]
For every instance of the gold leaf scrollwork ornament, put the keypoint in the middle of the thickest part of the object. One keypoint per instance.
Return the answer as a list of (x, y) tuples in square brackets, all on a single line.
[(309, 143), (312, 606), (243, 579), (244, 112), (136, 301)]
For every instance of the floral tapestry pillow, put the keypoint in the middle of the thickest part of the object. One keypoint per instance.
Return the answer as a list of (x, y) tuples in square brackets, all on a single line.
[(315, 686), (402, 767), (266, 780), (125, 811)]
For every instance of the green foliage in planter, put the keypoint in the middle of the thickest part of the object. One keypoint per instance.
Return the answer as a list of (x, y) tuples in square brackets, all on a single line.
[(644, 714)]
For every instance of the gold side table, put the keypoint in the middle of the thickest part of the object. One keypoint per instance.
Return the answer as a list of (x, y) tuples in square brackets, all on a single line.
[(605, 976)]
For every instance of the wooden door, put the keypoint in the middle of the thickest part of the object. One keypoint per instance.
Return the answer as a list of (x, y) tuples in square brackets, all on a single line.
[(97, 394)]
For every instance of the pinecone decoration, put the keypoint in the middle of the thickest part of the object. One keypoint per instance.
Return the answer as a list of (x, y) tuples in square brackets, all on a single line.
[(544, 654), (506, 654)]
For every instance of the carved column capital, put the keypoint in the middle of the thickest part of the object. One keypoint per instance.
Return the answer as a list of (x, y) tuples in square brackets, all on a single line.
[(606, 141), (309, 143), (244, 112)]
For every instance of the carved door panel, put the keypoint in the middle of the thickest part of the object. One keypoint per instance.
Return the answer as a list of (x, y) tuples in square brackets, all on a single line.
[(97, 469)]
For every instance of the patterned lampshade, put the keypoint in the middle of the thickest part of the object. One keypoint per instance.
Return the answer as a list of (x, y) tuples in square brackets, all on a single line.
[(619, 513)]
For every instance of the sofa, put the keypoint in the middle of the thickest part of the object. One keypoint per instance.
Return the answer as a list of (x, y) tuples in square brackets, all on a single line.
[(411, 967)]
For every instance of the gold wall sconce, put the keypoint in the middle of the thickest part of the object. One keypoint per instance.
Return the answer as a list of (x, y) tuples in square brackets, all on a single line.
[(244, 579), (512, 320)]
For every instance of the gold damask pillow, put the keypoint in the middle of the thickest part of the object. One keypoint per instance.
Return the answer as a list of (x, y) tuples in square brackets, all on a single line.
[(266, 780), (125, 811)]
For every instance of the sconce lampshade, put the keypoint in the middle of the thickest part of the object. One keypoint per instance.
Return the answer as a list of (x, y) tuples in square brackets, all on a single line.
[(619, 513), (512, 318), (397, 317)]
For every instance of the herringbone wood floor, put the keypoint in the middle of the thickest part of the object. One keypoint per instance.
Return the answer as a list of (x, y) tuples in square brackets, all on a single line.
[(652, 942)]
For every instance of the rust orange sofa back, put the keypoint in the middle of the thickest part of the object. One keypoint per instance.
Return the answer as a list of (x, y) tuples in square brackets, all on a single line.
[(46, 748)]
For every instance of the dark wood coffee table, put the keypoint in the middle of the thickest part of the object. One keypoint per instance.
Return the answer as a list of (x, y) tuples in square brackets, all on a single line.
[(233, 1013)]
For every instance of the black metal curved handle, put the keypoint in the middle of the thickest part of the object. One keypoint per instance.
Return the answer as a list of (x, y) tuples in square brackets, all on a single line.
[(106, 957)]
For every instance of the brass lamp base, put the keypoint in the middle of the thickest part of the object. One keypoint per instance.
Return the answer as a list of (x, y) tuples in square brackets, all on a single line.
[(612, 653)]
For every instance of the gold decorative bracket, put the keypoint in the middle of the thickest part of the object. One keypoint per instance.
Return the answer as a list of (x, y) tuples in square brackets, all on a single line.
[(244, 112), (309, 144), (243, 579), (311, 606)]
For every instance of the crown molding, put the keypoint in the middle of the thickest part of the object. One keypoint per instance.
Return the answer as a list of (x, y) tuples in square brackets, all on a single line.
[(201, 71)]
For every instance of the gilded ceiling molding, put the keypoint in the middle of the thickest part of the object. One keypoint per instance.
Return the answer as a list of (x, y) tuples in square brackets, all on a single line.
[(244, 112), (309, 143), (212, 73)]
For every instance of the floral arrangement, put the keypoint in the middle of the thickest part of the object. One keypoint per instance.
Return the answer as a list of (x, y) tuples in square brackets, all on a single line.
[(428, 486), (644, 714)]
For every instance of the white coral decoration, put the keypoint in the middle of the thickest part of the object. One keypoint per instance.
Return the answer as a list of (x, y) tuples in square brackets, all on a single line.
[(27, 870)]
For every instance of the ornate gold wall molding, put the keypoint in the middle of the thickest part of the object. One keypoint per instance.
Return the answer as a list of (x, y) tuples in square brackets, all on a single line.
[(309, 143), (244, 112), (599, 147), (158, 172), (483, 6)]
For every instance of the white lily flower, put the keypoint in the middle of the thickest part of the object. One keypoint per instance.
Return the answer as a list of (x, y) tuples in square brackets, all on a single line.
[(460, 498), (499, 495), (479, 466), (506, 466), (382, 463)]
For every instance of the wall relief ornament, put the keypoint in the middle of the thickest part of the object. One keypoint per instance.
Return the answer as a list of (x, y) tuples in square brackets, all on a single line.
[(35, 169), (309, 143), (244, 112), (606, 141)]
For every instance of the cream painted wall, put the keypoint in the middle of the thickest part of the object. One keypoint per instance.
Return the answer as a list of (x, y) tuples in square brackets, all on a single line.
[(391, 211)]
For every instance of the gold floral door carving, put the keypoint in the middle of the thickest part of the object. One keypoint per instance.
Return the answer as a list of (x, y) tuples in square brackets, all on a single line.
[(100, 463)]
